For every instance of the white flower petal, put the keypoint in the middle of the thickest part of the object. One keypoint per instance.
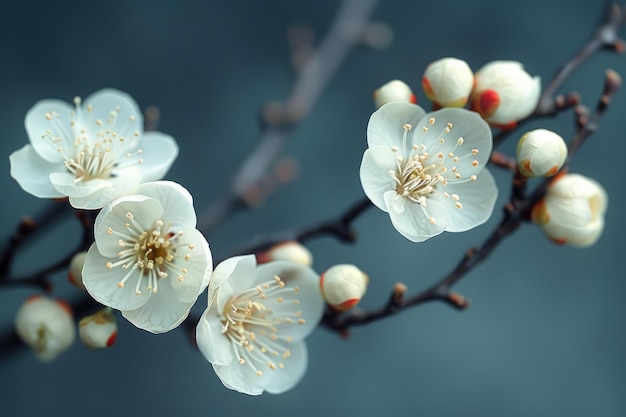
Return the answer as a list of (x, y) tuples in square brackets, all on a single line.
[(232, 276), (158, 153), (104, 191), (64, 183), (129, 118), (160, 314), (214, 346), (475, 132), (145, 211), (102, 283), (241, 378), (39, 120), (31, 172), (198, 267), (175, 199), (478, 199), (302, 299), (375, 179), (412, 222), (386, 125), (295, 367)]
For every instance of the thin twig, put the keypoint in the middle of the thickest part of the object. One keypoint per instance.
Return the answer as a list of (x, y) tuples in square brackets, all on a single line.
[(605, 36), (40, 277)]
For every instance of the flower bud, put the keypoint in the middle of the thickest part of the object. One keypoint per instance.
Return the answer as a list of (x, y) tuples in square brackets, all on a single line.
[(394, 90), (540, 152), (343, 286), (572, 211), (45, 325), (504, 93), (99, 330), (448, 82), (75, 275), (290, 251)]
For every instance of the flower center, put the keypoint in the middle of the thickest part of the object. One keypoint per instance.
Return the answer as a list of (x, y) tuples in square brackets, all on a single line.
[(149, 254), (92, 149), (418, 174), (253, 326)]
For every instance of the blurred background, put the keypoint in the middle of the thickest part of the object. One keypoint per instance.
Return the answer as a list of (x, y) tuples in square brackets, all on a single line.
[(545, 335)]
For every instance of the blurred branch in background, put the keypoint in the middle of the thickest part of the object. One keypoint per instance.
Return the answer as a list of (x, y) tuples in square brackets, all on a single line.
[(279, 120)]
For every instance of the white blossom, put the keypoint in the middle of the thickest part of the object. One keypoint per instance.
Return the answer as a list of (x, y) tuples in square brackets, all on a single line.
[(254, 327), (149, 261), (92, 152), (426, 170)]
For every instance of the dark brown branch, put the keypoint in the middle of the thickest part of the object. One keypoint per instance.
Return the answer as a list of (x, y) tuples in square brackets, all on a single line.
[(345, 32), (340, 228), (40, 278), (28, 227)]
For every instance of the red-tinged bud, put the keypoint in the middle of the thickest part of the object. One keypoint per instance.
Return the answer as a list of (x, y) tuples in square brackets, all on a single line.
[(343, 286), (448, 82), (75, 275), (572, 211), (290, 251), (394, 90), (46, 325), (504, 93), (486, 102), (540, 153), (99, 330)]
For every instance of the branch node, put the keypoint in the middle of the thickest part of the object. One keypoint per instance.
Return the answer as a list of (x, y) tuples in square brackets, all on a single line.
[(581, 116), (612, 81), (399, 290), (27, 225), (458, 300)]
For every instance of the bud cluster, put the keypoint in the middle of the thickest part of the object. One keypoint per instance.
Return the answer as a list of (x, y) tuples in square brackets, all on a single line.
[(502, 92)]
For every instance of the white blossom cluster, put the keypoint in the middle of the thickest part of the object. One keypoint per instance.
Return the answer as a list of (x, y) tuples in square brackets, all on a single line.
[(150, 263)]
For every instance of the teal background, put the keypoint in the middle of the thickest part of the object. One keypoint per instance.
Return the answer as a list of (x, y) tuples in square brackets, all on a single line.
[(545, 333)]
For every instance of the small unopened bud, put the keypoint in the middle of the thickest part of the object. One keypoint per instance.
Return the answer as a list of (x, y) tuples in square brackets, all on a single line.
[(75, 275), (343, 286), (290, 251), (504, 93), (394, 90), (448, 82), (540, 152), (99, 330), (572, 211), (46, 325)]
